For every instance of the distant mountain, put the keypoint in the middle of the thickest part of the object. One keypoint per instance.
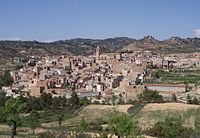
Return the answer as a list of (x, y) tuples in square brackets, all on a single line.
[(79, 46), (171, 45)]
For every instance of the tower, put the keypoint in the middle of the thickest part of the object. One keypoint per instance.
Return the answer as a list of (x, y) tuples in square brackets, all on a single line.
[(97, 53)]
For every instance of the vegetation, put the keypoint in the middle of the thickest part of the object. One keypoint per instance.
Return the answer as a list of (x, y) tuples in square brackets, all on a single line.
[(174, 98), (12, 109), (6, 79), (122, 125), (178, 76), (170, 128), (38, 110), (41, 109), (150, 96), (193, 100)]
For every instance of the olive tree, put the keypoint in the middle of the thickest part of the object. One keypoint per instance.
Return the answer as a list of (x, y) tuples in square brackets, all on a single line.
[(13, 108), (122, 124)]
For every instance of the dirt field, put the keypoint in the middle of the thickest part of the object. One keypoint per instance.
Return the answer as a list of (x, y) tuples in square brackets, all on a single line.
[(100, 111), (169, 106), (121, 108)]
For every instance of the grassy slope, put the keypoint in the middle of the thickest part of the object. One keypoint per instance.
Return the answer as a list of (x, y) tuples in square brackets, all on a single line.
[(152, 113), (147, 116)]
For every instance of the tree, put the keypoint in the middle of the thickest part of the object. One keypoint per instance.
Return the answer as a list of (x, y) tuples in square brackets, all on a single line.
[(157, 74), (2, 99), (74, 87), (84, 101), (114, 100), (195, 100), (56, 103), (33, 125), (13, 109), (174, 98), (137, 81), (151, 96), (74, 100), (63, 101), (83, 126), (189, 100), (186, 86), (170, 128), (6, 79), (60, 119), (2, 115), (34, 103), (121, 99), (97, 124), (122, 124), (46, 100)]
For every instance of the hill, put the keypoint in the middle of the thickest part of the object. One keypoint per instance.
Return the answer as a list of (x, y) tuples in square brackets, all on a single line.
[(171, 45), (11, 49), (79, 46)]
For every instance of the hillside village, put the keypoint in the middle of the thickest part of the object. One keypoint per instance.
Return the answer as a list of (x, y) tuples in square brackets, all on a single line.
[(102, 76)]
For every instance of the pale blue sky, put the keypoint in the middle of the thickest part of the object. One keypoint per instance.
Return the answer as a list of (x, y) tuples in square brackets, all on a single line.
[(47, 20)]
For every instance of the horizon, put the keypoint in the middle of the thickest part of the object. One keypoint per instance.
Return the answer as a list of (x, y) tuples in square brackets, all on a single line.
[(48, 20), (102, 39)]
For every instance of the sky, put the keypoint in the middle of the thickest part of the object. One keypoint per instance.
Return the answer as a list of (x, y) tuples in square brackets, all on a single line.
[(50, 20)]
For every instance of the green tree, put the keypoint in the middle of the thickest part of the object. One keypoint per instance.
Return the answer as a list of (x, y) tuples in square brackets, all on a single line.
[(46, 100), (186, 86), (60, 119), (137, 81), (114, 100), (63, 101), (83, 126), (74, 100), (121, 99), (3, 115), (96, 125), (34, 103), (170, 128), (33, 125), (157, 74), (56, 103), (195, 100), (122, 125), (7, 79), (151, 96), (2, 99), (13, 109), (84, 101), (189, 99), (174, 98)]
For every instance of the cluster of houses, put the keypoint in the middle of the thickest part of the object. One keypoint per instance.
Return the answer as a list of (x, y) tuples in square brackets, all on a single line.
[(102, 75)]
